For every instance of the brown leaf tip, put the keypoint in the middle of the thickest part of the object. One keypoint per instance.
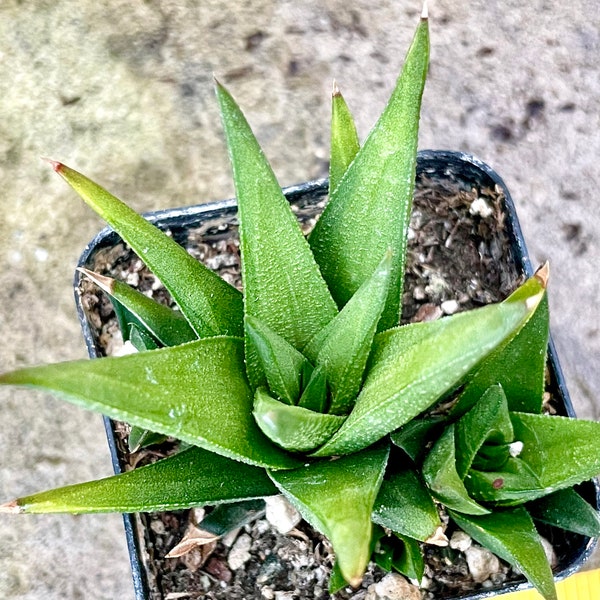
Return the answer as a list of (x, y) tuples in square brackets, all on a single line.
[(11, 507), (104, 283), (335, 92), (438, 538), (56, 165), (543, 274), (425, 12)]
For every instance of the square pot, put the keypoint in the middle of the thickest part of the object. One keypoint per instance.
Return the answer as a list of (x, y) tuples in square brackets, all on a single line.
[(216, 217)]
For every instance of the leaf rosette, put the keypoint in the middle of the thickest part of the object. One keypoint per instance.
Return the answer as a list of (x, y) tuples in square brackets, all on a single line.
[(294, 386)]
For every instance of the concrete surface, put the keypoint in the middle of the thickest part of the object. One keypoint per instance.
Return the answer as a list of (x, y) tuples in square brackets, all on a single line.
[(122, 91)]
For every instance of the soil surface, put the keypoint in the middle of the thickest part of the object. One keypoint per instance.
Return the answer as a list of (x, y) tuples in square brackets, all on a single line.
[(459, 258)]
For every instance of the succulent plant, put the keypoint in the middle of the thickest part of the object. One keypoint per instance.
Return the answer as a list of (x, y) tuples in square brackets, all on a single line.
[(306, 383)]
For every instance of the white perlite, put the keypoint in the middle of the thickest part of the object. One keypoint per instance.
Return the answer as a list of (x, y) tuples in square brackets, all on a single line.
[(481, 207), (460, 541), (239, 554), (482, 563), (449, 307), (393, 587), (281, 514), (549, 550)]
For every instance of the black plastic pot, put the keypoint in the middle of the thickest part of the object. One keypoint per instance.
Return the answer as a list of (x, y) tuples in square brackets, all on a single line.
[(446, 164)]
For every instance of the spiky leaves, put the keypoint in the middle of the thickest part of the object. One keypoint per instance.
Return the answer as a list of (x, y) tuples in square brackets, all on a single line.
[(282, 283), (401, 384), (337, 497), (370, 208), (194, 477), (512, 536), (344, 139), (209, 303), (196, 392)]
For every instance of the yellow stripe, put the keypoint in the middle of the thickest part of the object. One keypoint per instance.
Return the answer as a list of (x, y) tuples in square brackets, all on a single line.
[(581, 586)]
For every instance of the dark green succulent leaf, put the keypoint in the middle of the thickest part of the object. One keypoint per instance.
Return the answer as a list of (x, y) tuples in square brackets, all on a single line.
[(342, 348), (126, 320), (140, 339), (211, 306), (549, 450), (515, 483), (140, 437), (196, 392), (519, 367), (344, 139), (566, 509), (227, 517), (405, 506), (315, 394), (194, 477), (410, 562), (281, 363), (168, 326), (336, 579), (414, 365), (511, 535), (549, 456), (415, 436), (491, 457), (294, 428), (488, 422), (283, 286), (439, 472), (337, 497), (369, 210)]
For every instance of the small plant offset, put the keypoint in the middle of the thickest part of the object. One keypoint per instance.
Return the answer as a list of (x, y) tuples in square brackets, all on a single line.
[(306, 385)]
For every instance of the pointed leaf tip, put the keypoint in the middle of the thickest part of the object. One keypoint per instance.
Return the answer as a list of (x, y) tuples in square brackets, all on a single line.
[(543, 274), (106, 284), (425, 12), (55, 164), (11, 507), (335, 91)]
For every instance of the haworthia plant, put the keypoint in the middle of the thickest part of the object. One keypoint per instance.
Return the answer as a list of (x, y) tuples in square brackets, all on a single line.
[(306, 383)]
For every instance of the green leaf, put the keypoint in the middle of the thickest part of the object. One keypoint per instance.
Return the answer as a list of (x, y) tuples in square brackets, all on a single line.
[(342, 348), (555, 461), (439, 472), (511, 535), (227, 517), (487, 422), (194, 477), (344, 139), (519, 366), (515, 483), (415, 436), (280, 361), (410, 562), (336, 579), (168, 326), (196, 392), (142, 438), (139, 337), (336, 497), (314, 396), (413, 366), (294, 428), (369, 210), (211, 306), (283, 286), (405, 506), (568, 510)]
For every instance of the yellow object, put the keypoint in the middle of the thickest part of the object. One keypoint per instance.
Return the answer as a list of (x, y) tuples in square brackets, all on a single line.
[(581, 586)]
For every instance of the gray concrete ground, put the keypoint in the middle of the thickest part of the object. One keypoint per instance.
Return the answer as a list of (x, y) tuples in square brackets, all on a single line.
[(122, 90)]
